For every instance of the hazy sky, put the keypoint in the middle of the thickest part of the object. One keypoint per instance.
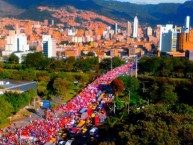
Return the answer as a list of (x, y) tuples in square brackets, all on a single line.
[(154, 1)]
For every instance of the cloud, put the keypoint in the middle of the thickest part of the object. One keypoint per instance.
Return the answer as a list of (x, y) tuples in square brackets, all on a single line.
[(153, 1)]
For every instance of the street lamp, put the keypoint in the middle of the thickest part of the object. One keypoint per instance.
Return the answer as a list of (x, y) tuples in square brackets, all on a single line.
[(129, 102)]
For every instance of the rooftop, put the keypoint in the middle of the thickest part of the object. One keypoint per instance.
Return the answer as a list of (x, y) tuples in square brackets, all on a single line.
[(9, 84)]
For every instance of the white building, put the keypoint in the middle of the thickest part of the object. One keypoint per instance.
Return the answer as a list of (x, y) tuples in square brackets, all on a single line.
[(71, 32), (16, 43), (135, 27), (77, 39), (187, 24), (168, 38), (49, 46)]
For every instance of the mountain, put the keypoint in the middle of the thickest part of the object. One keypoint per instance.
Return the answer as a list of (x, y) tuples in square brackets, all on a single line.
[(7, 9), (122, 11)]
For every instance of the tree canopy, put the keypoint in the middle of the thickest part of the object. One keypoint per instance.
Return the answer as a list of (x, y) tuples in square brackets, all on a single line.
[(36, 60), (166, 67), (13, 59)]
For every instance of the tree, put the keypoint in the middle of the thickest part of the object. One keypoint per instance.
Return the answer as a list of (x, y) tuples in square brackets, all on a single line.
[(90, 54), (42, 76), (167, 94), (83, 78), (116, 61), (145, 65), (118, 86), (69, 63), (61, 86), (105, 64), (6, 110), (154, 93), (130, 83), (18, 100), (36, 60), (13, 59), (57, 65), (87, 64), (156, 125)]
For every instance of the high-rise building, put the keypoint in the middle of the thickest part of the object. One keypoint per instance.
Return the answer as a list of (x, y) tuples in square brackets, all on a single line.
[(135, 27), (149, 31), (187, 24), (49, 46), (16, 43), (129, 29), (168, 38), (115, 28), (157, 31), (185, 41)]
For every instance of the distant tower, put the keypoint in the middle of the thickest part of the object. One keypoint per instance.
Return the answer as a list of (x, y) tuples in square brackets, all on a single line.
[(115, 28), (135, 27), (129, 29), (187, 24)]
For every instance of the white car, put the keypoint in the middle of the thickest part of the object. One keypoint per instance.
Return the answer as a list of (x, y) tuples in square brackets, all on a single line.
[(94, 131)]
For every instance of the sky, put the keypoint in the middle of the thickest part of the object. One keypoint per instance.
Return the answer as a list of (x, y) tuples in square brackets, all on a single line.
[(153, 1)]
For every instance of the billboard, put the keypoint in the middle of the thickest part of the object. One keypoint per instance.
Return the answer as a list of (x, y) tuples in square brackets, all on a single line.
[(45, 104)]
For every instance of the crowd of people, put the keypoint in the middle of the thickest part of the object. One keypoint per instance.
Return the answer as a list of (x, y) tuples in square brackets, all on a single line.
[(46, 129)]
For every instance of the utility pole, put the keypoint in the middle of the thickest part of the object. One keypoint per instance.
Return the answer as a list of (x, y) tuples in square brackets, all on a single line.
[(129, 103), (114, 107)]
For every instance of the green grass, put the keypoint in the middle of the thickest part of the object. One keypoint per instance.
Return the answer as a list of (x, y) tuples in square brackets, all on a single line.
[(71, 93)]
